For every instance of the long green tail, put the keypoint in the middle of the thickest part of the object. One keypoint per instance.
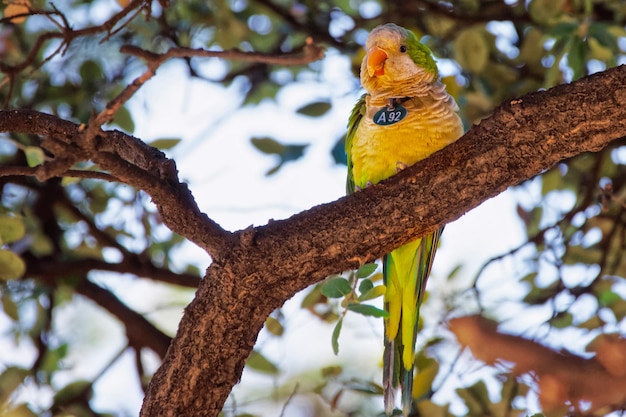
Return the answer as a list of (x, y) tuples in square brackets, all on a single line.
[(405, 272)]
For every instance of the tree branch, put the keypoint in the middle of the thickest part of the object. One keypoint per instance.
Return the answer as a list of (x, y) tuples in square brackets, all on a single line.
[(311, 52), (132, 162), (562, 377), (139, 331), (271, 263)]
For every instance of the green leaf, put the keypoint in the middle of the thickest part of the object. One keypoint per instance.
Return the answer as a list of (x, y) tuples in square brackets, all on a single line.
[(532, 50), (594, 322), (365, 286), (336, 288), (8, 306), (598, 51), (564, 30), (428, 408), (331, 371), (471, 49), (164, 144), (551, 180), (34, 156), (292, 152), (260, 363), (315, 109), (619, 309), (373, 292), (427, 369), (314, 296), (71, 391), (335, 337), (124, 120), (476, 398), (367, 310), (268, 145), (540, 295), (339, 152), (65, 181), (510, 389), (274, 326), (575, 254), (455, 271), (607, 35), (366, 270), (21, 410), (561, 320), (11, 228), (11, 265), (11, 378), (53, 359), (545, 11), (576, 57), (90, 71)]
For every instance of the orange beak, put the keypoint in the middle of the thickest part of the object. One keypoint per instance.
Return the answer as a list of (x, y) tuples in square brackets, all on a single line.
[(376, 61)]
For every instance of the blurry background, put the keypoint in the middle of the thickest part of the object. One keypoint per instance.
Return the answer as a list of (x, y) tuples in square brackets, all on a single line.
[(258, 142)]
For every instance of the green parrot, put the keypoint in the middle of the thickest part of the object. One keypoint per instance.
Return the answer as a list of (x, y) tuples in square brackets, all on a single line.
[(404, 116)]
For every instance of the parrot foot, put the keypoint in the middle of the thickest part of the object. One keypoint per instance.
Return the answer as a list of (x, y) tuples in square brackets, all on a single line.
[(368, 184), (400, 166)]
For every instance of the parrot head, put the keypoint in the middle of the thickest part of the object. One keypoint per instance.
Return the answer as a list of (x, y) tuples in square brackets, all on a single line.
[(395, 57)]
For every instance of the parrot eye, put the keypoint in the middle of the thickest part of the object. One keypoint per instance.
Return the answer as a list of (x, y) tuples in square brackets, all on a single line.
[(403, 49)]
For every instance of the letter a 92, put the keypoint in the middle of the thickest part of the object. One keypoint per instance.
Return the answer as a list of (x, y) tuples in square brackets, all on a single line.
[(386, 117)]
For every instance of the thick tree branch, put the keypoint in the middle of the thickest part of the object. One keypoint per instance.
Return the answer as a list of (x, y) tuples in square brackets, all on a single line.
[(271, 263)]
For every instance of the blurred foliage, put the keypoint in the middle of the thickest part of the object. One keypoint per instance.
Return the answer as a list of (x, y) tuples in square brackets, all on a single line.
[(61, 59)]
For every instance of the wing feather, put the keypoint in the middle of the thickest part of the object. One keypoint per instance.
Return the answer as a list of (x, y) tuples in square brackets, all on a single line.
[(353, 123)]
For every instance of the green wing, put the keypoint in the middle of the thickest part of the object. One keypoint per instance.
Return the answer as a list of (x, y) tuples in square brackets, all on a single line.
[(353, 123)]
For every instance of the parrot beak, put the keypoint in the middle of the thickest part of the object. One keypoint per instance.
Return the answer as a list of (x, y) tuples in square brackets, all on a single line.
[(376, 58)]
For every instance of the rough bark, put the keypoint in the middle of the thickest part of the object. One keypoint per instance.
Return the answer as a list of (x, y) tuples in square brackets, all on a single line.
[(257, 269)]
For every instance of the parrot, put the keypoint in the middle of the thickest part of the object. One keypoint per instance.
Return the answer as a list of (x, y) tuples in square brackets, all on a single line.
[(405, 115)]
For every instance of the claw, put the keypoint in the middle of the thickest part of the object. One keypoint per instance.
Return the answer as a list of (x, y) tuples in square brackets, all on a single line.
[(400, 166), (367, 184)]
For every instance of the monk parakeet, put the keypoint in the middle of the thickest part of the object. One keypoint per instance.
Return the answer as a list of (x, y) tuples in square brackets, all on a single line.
[(404, 116)]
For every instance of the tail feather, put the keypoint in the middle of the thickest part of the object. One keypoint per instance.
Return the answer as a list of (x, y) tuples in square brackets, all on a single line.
[(405, 272), (407, 391), (389, 373)]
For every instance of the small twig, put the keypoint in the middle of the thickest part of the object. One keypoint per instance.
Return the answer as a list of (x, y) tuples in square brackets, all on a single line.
[(113, 31), (6, 171), (295, 391), (57, 24), (106, 115), (310, 53), (66, 33)]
